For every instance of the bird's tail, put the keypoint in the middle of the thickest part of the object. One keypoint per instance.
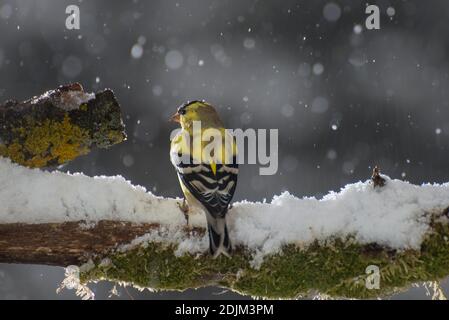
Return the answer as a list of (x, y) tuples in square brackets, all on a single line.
[(219, 242)]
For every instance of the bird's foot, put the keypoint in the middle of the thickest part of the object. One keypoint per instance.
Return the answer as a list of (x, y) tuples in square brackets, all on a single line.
[(185, 210)]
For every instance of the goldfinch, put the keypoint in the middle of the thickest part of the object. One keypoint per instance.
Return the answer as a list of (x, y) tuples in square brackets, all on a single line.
[(208, 178)]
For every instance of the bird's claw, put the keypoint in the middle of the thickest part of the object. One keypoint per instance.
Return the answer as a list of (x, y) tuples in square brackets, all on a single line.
[(185, 210)]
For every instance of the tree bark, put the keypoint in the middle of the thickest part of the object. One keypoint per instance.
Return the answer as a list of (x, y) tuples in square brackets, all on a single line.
[(59, 125), (63, 244)]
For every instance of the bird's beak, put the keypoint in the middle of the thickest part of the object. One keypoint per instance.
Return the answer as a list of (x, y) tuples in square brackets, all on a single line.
[(175, 117)]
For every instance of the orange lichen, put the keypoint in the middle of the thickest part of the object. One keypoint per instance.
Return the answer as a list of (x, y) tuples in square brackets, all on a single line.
[(39, 144), (13, 151)]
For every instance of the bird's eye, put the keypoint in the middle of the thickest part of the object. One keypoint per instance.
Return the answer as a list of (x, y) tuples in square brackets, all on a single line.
[(182, 111)]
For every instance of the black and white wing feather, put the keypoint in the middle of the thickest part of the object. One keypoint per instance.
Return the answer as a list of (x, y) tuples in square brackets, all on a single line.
[(213, 190)]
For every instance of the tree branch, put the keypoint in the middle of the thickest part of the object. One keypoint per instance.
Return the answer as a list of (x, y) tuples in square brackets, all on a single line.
[(334, 268), (59, 126), (63, 244)]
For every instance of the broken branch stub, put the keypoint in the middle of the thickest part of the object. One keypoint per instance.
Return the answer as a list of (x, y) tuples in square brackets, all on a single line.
[(59, 125), (376, 178)]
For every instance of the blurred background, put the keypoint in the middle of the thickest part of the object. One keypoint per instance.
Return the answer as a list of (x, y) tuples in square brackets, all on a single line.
[(343, 97)]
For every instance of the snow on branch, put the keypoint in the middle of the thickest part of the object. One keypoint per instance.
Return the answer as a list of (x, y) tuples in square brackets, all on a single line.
[(285, 248)]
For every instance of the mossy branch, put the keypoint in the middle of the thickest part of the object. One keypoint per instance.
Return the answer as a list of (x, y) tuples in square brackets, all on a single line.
[(59, 125), (334, 268)]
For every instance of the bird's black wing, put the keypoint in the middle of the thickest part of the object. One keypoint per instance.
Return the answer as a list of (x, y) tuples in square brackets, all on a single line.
[(214, 191)]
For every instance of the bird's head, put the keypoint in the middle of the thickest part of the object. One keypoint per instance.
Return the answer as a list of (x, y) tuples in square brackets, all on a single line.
[(196, 110)]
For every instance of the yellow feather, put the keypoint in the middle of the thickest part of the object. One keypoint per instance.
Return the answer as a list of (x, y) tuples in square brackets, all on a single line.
[(208, 117), (213, 166)]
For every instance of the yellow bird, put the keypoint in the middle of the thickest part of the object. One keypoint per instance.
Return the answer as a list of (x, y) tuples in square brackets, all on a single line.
[(205, 157)]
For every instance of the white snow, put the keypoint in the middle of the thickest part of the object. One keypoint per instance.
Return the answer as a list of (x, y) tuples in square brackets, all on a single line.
[(72, 282), (395, 215), (71, 100), (68, 100), (36, 196)]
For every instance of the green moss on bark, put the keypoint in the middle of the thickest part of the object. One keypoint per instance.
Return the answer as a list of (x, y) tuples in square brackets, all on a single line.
[(336, 268)]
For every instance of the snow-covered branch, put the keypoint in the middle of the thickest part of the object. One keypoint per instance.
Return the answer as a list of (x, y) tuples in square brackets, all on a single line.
[(284, 248)]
